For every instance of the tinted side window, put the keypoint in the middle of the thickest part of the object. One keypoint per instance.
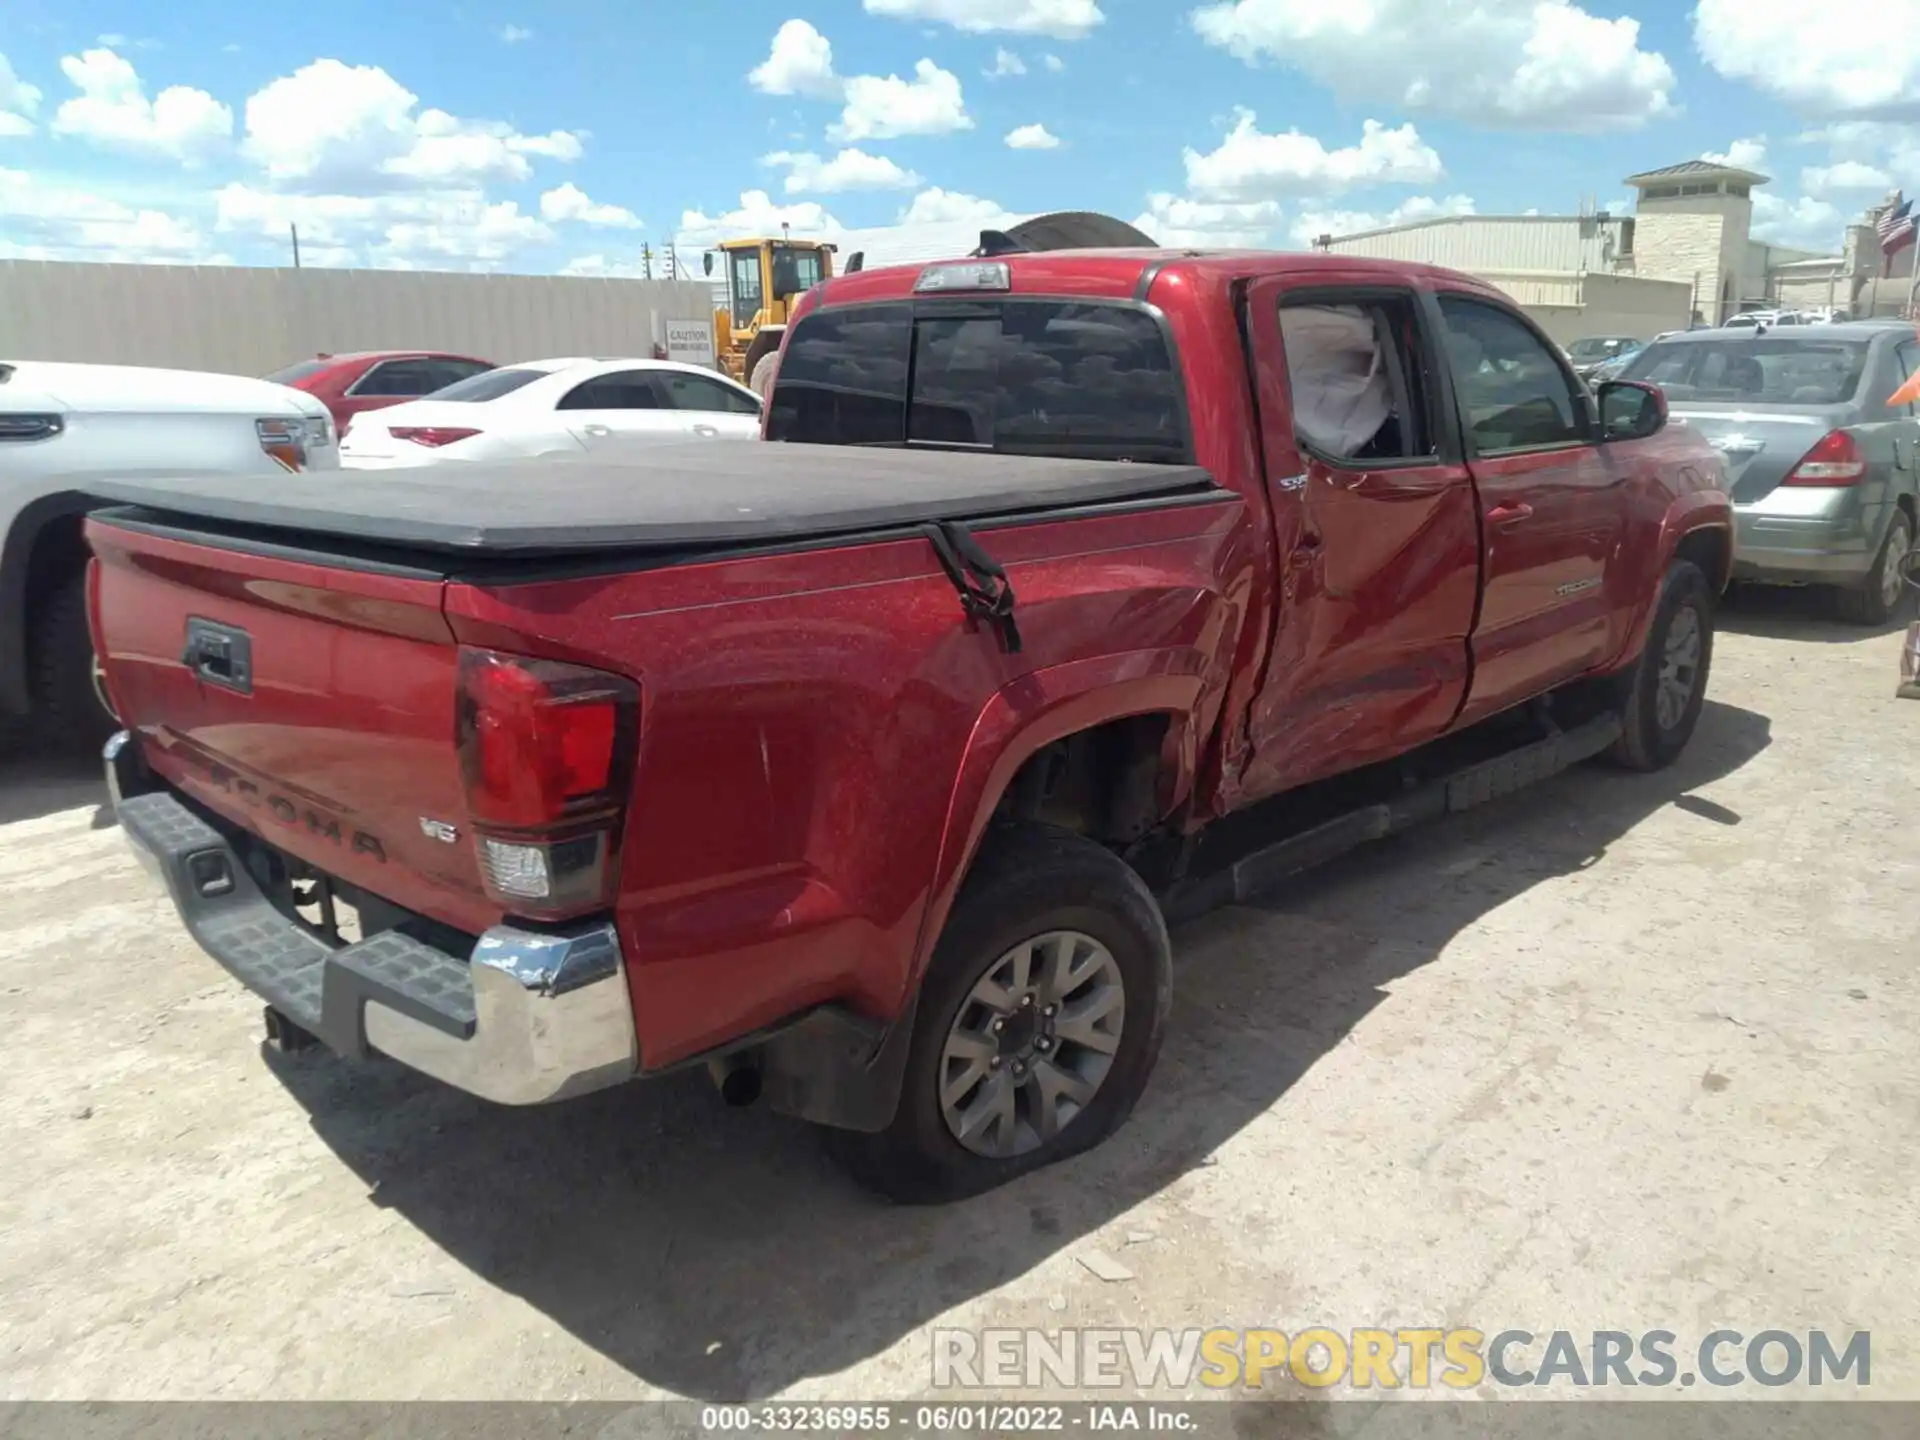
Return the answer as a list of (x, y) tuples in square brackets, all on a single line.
[(1513, 393), (397, 377), (623, 390), (696, 392), (843, 378)]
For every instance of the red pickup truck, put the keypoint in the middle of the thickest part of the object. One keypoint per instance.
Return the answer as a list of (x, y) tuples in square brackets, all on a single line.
[(864, 767)]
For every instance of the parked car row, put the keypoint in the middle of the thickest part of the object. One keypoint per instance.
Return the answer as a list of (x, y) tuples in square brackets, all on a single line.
[(375, 409)]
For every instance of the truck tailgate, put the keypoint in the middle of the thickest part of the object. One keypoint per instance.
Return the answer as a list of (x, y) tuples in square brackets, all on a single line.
[(311, 703)]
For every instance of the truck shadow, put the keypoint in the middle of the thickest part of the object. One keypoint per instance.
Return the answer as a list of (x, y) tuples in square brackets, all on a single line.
[(718, 1254)]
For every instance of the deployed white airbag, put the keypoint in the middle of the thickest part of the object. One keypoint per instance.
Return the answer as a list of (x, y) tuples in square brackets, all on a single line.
[(1339, 378)]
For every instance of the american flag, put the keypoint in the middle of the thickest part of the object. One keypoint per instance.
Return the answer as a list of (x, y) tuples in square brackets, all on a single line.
[(1896, 226)]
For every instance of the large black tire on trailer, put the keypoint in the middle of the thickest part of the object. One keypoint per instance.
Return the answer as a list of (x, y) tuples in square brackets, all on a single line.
[(1038, 1022), (1078, 230), (69, 712)]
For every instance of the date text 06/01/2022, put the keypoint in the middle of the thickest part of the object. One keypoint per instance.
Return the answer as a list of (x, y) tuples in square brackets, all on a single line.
[(944, 1419)]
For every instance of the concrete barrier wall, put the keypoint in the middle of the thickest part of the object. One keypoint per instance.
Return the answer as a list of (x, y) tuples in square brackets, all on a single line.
[(250, 321)]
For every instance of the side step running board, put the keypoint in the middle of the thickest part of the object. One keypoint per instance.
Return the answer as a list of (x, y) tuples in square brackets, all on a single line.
[(1462, 790)]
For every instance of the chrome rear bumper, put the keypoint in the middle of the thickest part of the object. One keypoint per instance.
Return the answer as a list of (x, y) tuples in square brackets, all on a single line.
[(528, 1016)]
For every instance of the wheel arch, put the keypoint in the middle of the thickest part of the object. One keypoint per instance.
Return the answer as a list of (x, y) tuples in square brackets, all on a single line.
[(1128, 719), (1698, 528), (45, 544)]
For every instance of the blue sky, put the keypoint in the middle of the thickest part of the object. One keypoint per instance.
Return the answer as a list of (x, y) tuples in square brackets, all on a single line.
[(515, 135)]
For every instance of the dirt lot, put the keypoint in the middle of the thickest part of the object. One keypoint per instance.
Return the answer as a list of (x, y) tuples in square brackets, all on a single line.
[(1624, 1052)]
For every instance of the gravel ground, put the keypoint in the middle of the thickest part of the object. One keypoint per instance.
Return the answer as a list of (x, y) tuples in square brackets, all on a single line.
[(1620, 1053)]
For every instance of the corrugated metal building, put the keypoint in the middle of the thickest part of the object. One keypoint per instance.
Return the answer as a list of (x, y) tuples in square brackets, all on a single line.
[(1686, 255), (247, 321), (1572, 273)]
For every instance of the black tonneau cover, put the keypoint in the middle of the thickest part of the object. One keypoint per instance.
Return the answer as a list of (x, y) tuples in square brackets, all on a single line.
[(679, 496)]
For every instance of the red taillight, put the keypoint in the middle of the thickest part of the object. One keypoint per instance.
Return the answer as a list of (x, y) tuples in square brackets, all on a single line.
[(547, 751), (433, 435), (1834, 460)]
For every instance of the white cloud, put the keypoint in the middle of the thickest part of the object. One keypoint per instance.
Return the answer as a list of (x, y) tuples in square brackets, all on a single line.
[(882, 107), (48, 221), (112, 109), (335, 126), (938, 207), (1884, 145), (113, 40), (1251, 165), (1820, 181), (757, 215), (604, 268), (1054, 63), (1747, 154), (1062, 19), (1032, 137), (514, 34), (1006, 63), (1805, 223), (1840, 57), (1523, 63), (851, 169), (1173, 220), (390, 231), (1310, 225), (477, 231), (18, 101), (569, 202), (800, 63)]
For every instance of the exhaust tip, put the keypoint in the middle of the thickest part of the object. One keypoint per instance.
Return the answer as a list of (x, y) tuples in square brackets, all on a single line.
[(737, 1080)]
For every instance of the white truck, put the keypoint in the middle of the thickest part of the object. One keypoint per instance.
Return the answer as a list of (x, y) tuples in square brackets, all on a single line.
[(61, 423)]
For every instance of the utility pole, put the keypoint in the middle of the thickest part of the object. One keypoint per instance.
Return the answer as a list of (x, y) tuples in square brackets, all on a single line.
[(646, 260), (294, 230)]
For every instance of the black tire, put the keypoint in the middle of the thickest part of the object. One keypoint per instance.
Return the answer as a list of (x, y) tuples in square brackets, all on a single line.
[(67, 711), (1027, 882), (1869, 603), (1646, 743)]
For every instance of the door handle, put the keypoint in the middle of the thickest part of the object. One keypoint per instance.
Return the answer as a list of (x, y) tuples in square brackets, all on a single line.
[(596, 429), (710, 431), (1508, 514), (219, 654)]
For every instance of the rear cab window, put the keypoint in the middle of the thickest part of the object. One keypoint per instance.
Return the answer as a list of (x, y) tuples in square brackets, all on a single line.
[(1084, 379)]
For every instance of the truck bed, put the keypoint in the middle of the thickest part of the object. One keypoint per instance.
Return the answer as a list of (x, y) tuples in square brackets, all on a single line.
[(663, 497)]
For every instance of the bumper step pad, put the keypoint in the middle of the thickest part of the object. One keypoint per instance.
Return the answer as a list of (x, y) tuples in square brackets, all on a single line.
[(321, 988)]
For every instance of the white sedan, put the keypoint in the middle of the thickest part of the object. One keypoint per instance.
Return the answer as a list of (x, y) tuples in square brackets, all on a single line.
[(553, 407)]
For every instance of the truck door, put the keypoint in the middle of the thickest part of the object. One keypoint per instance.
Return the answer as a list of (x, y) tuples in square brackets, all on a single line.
[(1552, 505), (1377, 531)]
